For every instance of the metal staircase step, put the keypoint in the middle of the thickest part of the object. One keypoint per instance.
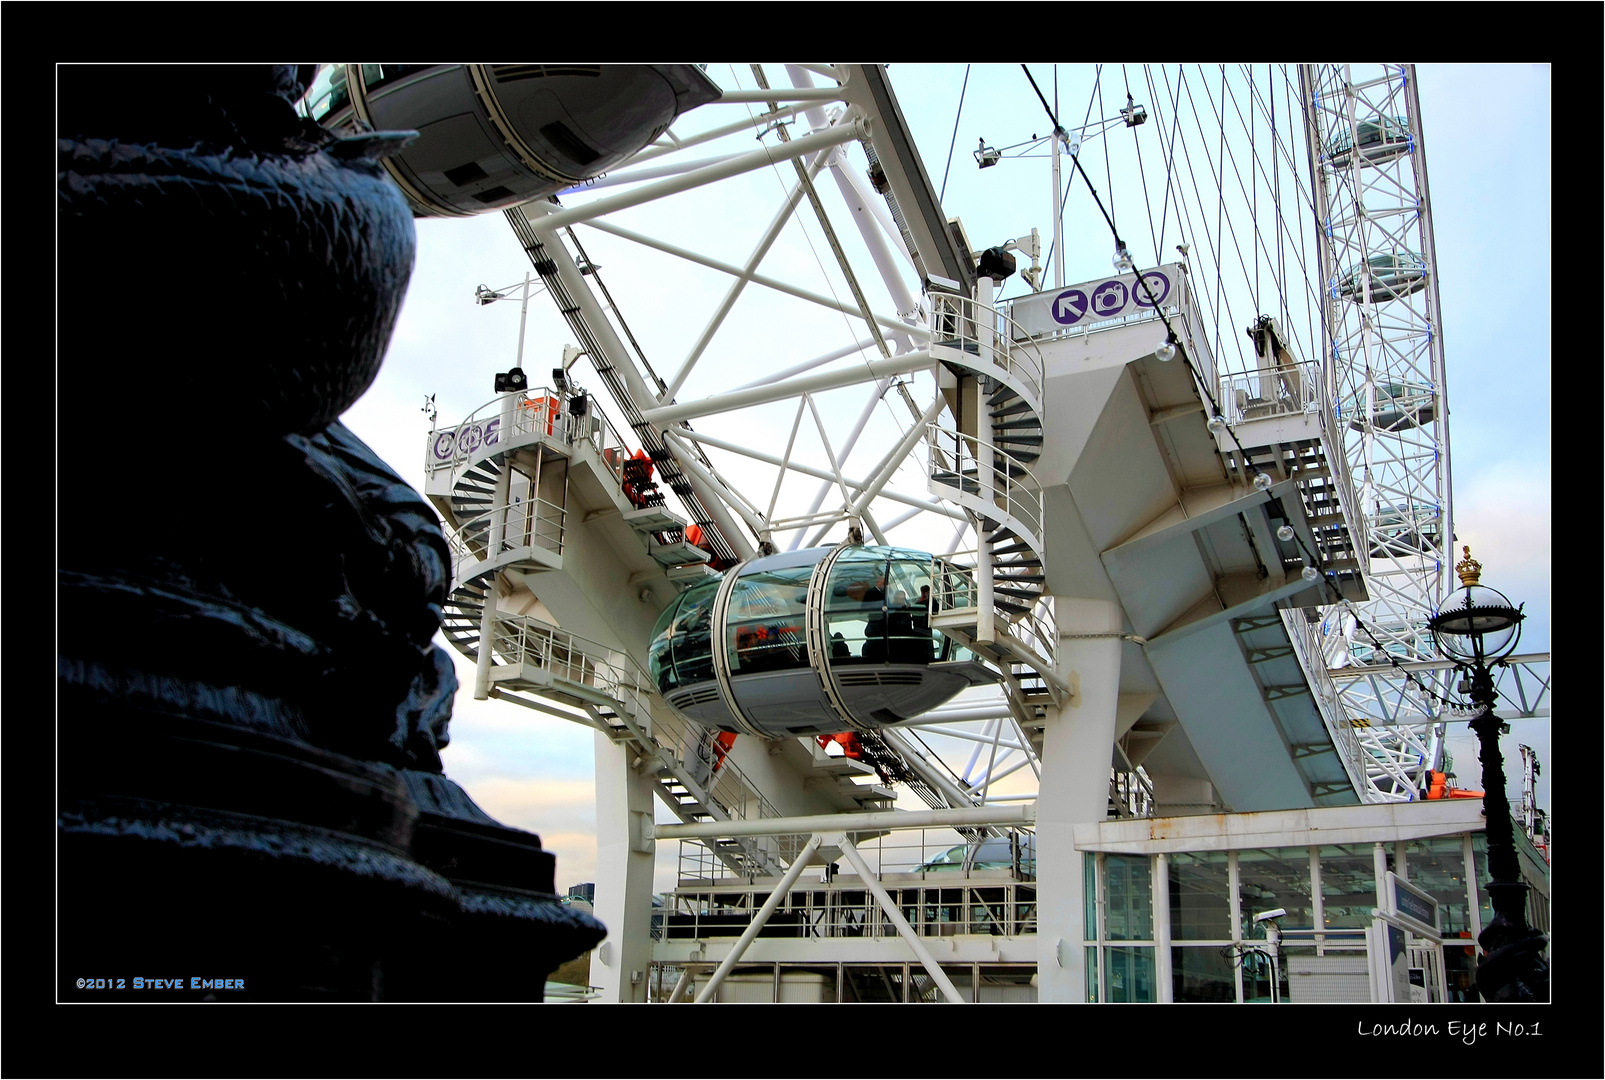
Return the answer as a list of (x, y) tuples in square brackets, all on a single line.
[(1003, 393), (1023, 594), (1023, 579), (1030, 422)]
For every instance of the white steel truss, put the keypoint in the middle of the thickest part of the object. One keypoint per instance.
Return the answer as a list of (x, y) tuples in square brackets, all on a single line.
[(1383, 351)]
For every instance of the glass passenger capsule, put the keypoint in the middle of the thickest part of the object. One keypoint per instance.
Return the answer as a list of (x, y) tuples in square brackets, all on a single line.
[(1382, 138), (810, 642), (493, 135), (1391, 274), (1394, 405)]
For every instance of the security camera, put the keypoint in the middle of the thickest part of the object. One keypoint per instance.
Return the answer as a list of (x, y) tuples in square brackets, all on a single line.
[(1274, 913)]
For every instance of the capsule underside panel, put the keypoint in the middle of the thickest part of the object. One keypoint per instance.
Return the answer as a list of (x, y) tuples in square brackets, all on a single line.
[(492, 136)]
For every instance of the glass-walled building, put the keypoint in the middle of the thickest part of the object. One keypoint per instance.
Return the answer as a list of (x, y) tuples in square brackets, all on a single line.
[(1172, 905)]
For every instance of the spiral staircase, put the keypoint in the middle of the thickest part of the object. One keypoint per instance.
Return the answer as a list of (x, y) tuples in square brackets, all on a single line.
[(996, 605)]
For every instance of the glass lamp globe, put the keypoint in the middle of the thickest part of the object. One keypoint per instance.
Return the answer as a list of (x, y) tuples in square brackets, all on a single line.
[(1262, 481), (1285, 533), (1122, 260), (1476, 623), (1166, 351), (1217, 424), (1309, 573)]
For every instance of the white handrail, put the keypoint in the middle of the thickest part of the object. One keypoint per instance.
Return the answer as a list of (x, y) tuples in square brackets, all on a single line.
[(956, 589), (540, 411), (954, 322), (528, 523), (1022, 502), (526, 640)]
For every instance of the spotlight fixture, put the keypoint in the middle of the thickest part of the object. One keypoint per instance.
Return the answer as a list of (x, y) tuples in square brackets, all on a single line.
[(507, 381), (986, 156), (486, 295)]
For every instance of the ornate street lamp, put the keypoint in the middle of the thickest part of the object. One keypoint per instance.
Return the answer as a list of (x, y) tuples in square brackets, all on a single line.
[(1478, 629)]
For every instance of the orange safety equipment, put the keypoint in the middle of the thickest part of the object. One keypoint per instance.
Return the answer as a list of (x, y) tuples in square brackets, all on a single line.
[(851, 747), (543, 409), (637, 477), (721, 747)]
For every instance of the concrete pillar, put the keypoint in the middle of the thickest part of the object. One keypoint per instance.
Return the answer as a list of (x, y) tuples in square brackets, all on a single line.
[(625, 854), (1076, 751)]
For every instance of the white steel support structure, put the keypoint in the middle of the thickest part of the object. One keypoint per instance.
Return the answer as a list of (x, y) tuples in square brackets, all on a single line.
[(624, 861), (1383, 353), (1065, 715), (1075, 752)]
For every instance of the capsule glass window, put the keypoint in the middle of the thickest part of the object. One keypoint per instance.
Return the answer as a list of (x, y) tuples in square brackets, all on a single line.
[(855, 607), (909, 639), (765, 622), (682, 643)]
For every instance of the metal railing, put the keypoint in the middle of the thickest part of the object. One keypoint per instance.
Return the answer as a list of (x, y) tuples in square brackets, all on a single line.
[(1307, 647), (1296, 390), (847, 909), (1281, 391), (540, 411), (1021, 502), (525, 523), (969, 326), (938, 854), (928, 874), (1131, 794), (617, 676), (956, 589)]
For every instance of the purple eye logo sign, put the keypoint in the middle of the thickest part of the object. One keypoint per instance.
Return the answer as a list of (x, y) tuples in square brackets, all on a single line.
[(1157, 283), (1109, 298), (1069, 307), (465, 440)]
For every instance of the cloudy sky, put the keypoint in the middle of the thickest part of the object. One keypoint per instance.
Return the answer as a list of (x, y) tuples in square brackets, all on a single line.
[(1490, 202)]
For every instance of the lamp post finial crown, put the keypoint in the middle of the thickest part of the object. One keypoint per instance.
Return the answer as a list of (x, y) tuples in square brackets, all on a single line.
[(1469, 569)]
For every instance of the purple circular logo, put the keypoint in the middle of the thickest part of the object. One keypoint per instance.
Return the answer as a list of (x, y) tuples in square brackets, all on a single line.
[(1069, 306), (468, 441), (1158, 283), (443, 444), (1109, 298)]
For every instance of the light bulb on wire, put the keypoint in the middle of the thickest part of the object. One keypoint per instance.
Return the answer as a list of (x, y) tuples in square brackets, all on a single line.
[(1285, 533), (1217, 424), (1123, 260), (1166, 351), (1309, 573), (1262, 481)]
